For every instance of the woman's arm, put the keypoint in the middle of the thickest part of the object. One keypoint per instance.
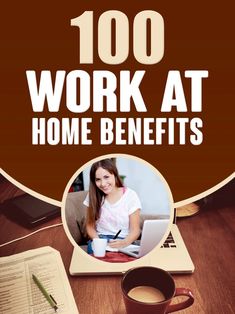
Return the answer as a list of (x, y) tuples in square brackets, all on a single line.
[(134, 223), (90, 228), (91, 231)]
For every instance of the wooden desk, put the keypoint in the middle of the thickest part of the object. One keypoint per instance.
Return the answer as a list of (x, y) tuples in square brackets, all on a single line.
[(209, 237)]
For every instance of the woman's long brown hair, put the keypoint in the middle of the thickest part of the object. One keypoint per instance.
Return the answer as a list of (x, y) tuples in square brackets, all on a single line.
[(96, 196)]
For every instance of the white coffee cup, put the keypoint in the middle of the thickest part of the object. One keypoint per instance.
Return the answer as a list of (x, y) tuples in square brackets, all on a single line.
[(99, 247)]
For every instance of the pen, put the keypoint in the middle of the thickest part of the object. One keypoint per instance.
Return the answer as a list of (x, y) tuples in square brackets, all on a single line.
[(49, 297), (116, 235)]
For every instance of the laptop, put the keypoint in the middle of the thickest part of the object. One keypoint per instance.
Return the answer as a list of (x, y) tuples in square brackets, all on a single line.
[(172, 255), (152, 233)]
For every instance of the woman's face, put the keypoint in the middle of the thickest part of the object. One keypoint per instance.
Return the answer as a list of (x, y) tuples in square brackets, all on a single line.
[(104, 180)]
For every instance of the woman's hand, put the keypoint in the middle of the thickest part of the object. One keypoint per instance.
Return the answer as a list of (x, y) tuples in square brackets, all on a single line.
[(118, 243), (133, 234)]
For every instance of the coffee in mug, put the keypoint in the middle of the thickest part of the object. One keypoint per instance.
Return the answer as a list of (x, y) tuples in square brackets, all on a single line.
[(151, 290), (146, 294)]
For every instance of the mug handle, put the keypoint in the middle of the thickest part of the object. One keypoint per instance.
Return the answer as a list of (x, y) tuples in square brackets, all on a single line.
[(184, 304)]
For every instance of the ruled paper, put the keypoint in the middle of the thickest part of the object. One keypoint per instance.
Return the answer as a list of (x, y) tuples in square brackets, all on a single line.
[(20, 294)]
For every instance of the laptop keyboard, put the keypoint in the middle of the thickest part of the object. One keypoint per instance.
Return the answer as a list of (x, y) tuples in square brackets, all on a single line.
[(170, 242), (135, 252)]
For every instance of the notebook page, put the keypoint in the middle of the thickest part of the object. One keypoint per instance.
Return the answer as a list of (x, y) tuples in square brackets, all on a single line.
[(20, 294)]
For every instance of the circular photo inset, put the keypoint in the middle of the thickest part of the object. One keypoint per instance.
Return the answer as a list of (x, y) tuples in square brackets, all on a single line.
[(117, 208)]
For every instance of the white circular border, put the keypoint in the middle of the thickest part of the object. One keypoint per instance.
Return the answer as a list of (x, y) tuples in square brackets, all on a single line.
[(66, 191)]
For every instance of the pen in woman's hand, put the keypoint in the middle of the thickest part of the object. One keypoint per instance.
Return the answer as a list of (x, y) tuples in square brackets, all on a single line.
[(117, 234)]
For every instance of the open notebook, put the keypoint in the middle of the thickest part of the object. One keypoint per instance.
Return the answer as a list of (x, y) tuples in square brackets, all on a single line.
[(20, 294)]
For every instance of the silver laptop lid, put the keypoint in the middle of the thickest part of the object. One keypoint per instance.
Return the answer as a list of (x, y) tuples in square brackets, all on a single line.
[(152, 234)]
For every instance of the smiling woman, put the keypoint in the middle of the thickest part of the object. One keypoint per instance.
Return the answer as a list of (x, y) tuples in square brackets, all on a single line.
[(111, 206)]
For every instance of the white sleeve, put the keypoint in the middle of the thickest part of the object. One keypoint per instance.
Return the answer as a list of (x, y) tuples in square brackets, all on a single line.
[(86, 200), (133, 203)]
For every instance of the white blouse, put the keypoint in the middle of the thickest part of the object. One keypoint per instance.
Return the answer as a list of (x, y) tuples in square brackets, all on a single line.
[(114, 217)]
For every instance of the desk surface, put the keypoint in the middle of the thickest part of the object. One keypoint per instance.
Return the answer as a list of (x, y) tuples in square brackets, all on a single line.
[(209, 237)]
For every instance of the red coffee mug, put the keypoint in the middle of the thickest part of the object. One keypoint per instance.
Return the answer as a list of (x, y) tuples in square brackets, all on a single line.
[(156, 278)]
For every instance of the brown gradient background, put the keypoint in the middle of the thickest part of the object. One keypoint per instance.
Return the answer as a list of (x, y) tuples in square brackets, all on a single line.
[(198, 36)]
